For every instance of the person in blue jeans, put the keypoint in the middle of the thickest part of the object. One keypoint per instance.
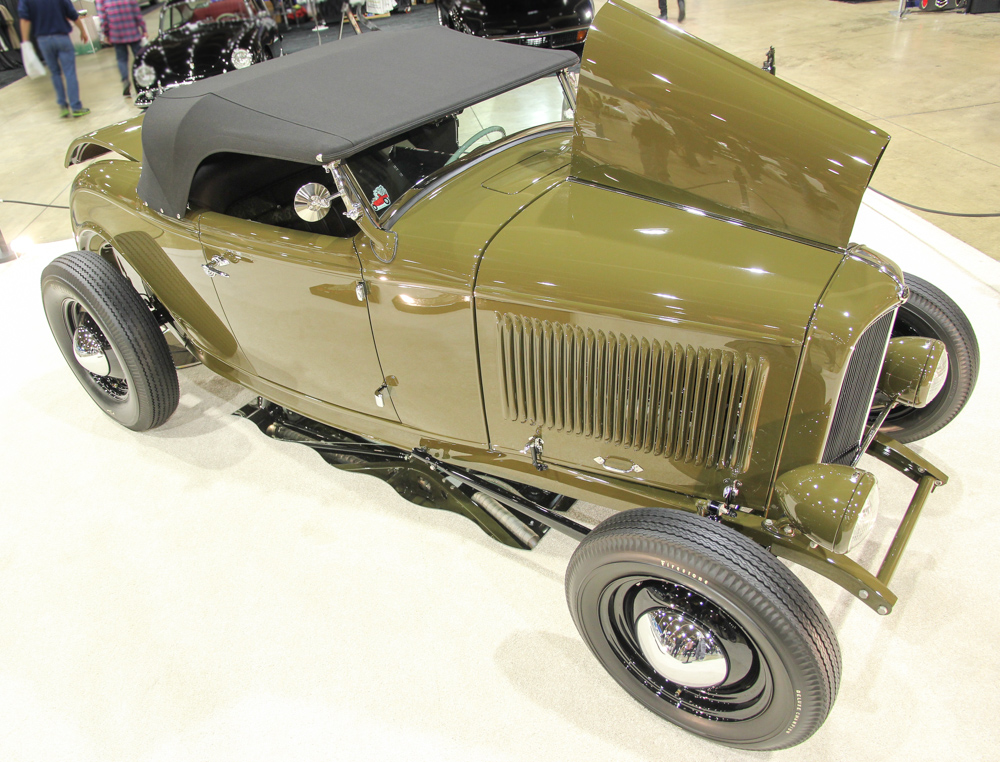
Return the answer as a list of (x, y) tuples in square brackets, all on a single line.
[(123, 26), (52, 21)]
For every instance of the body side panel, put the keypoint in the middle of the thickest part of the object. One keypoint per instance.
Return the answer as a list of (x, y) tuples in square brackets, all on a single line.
[(421, 303)]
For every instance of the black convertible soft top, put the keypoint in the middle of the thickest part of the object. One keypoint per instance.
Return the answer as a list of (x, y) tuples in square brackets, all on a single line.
[(333, 100)]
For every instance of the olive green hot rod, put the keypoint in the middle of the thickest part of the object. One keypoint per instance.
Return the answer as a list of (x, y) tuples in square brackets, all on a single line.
[(502, 291)]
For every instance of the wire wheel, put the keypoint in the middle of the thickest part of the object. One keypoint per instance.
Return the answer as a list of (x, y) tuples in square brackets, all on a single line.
[(704, 628)]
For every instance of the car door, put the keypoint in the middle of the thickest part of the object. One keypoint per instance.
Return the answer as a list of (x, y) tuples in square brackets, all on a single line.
[(297, 305)]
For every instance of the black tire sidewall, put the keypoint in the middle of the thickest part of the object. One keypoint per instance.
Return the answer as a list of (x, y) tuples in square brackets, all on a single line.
[(933, 314), (56, 291), (708, 580), (134, 335)]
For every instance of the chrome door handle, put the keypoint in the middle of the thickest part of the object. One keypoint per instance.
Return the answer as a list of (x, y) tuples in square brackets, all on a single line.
[(634, 468), (211, 272), (359, 290)]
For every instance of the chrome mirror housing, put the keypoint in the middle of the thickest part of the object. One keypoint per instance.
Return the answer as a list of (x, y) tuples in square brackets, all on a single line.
[(312, 201)]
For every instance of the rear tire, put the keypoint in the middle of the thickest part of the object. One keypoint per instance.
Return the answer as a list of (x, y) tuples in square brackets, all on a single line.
[(110, 340), (932, 313), (743, 653)]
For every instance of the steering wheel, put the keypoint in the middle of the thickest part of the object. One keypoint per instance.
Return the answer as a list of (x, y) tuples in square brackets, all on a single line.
[(474, 139), (227, 17)]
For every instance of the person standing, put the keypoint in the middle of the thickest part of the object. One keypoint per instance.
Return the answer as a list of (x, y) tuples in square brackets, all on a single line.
[(51, 22), (123, 26), (680, 10)]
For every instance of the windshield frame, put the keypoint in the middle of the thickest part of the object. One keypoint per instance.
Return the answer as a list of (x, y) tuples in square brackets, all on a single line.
[(389, 216)]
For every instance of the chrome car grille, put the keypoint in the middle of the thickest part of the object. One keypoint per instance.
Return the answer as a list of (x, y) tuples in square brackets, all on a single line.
[(685, 403), (857, 392)]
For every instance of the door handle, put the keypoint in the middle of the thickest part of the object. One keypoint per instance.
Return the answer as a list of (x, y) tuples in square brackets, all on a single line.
[(211, 272), (611, 464)]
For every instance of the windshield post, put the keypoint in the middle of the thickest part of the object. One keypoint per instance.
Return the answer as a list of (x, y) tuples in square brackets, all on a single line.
[(568, 90)]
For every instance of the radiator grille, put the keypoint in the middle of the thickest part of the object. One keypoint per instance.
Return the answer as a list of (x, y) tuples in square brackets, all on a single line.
[(683, 403), (857, 391)]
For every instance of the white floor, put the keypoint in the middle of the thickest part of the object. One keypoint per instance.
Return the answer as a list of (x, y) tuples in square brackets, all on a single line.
[(205, 593)]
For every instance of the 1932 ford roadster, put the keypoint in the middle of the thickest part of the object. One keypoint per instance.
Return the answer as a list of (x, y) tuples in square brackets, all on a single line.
[(653, 306)]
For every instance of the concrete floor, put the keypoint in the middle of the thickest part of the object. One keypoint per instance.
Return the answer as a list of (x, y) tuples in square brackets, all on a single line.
[(203, 592)]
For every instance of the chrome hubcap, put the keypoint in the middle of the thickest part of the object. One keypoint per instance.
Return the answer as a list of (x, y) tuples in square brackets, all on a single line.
[(94, 353), (88, 349), (681, 649)]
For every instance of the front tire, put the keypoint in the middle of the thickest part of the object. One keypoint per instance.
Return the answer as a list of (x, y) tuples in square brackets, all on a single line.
[(705, 628), (110, 340)]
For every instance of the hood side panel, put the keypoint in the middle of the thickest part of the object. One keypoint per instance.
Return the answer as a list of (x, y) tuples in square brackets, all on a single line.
[(663, 114), (630, 295)]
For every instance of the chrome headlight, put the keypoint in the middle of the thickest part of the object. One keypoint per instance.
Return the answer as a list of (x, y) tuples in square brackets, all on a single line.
[(144, 75), (866, 520), (241, 58)]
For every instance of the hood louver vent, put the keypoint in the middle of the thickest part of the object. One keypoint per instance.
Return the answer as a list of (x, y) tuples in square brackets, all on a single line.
[(684, 403)]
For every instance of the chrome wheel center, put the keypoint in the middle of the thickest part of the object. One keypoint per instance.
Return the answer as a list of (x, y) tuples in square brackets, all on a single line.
[(681, 649), (88, 348)]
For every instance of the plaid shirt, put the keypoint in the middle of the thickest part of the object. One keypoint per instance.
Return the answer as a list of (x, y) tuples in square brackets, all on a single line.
[(121, 21)]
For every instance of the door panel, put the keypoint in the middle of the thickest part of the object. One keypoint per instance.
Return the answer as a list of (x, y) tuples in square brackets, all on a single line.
[(291, 298)]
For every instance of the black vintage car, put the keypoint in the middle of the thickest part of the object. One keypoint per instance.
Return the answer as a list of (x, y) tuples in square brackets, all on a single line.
[(200, 38), (540, 23)]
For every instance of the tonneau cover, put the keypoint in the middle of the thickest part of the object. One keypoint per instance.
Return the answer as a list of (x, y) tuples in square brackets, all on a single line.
[(332, 100)]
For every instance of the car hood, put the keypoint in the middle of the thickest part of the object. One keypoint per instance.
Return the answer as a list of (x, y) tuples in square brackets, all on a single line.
[(665, 115)]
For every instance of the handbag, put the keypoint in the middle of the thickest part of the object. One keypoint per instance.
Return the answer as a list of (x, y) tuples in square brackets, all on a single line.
[(32, 66)]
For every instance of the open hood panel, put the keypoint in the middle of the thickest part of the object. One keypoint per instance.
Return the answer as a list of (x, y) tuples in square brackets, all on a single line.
[(665, 115)]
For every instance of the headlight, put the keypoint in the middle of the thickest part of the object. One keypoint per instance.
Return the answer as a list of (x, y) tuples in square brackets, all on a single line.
[(835, 506), (144, 75), (914, 370), (866, 520), (241, 58)]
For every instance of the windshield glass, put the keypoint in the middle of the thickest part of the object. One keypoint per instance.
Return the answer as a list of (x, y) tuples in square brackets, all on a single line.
[(179, 14), (389, 170)]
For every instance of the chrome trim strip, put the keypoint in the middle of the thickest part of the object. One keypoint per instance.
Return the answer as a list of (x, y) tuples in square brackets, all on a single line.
[(536, 35)]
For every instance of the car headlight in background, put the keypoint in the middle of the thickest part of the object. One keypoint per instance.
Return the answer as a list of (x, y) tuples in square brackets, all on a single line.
[(241, 58), (144, 75), (835, 506)]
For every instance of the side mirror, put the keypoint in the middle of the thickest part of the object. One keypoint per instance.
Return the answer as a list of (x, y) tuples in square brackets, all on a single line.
[(914, 370), (312, 201)]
